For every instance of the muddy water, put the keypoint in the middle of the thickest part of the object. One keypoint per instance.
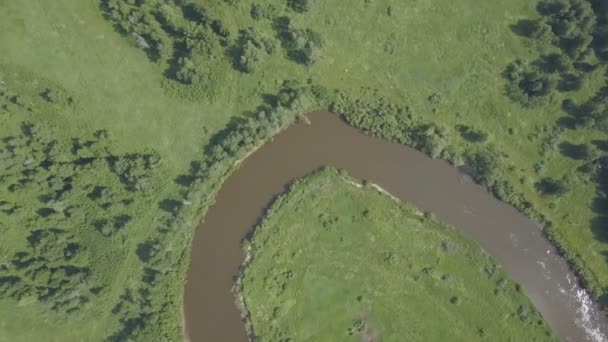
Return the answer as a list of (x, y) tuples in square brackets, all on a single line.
[(432, 185)]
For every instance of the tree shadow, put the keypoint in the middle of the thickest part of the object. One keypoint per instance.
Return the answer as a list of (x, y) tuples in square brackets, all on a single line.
[(195, 13), (585, 67), (599, 227), (574, 151), (547, 8), (147, 250), (602, 145), (570, 82), (45, 212), (121, 221), (170, 205), (470, 134), (186, 180), (551, 63), (599, 205), (150, 276), (525, 27), (566, 122)]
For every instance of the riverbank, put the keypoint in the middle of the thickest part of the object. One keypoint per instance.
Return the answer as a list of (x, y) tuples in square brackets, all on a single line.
[(333, 250), (432, 185), (166, 81)]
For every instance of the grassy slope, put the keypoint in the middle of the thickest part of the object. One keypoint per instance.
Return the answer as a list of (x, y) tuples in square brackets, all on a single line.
[(68, 44), (377, 261)]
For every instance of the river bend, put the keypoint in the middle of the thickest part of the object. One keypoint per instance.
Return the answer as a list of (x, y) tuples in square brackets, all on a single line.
[(430, 184)]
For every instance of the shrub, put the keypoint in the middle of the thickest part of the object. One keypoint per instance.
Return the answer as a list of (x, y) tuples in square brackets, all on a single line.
[(551, 187), (300, 6)]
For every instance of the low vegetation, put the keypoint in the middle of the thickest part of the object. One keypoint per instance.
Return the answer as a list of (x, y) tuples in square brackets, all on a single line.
[(334, 261), (120, 119)]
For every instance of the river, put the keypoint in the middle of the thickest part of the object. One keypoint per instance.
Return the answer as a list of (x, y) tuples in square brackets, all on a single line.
[(430, 184)]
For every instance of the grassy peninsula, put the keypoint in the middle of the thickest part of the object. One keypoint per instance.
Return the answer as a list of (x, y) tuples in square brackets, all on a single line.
[(337, 261)]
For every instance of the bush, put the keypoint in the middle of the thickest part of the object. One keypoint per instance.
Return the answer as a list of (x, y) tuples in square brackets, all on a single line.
[(252, 49), (485, 163), (551, 187), (527, 84), (300, 6)]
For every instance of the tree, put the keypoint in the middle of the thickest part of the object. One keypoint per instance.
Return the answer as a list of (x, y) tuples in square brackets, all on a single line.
[(50, 95), (486, 166), (551, 187), (527, 83), (250, 56), (252, 49), (189, 72), (300, 6)]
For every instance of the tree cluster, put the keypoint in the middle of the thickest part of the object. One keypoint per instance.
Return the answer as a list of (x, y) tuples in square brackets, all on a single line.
[(259, 11), (390, 121), (173, 32), (303, 46), (570, 37), (528, 85), (53, 189), (52, 269), (252, 48), (138, 20)]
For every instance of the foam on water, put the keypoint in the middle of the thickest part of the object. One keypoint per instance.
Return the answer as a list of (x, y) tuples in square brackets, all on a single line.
[(584, 317)]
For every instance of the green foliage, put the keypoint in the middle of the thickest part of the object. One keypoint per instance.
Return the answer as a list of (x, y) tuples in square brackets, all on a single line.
[(181, 35), (379, 117), (136, 19), (552, 187), (527, 84), (267, 11), (578, 30), (303, 46), (139, 307), (253, 48), (53, 270), (300, 6), (486, 164), (134, 169), (66, 196), (326, 247), (572, 22), (471, 134), (101, 81)]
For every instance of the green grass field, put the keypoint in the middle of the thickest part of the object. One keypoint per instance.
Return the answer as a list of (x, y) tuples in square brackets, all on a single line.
[(334, 261), (406, 51)]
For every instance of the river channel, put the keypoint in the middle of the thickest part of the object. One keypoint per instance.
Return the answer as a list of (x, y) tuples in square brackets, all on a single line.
[(430, 184)]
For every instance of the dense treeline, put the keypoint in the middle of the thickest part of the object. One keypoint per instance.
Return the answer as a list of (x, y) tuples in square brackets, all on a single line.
[(54, 192), (192, 42), (173, 33), (392, 121), (572, 39)]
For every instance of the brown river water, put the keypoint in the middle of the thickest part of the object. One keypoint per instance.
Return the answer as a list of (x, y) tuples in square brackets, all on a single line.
[(432, 185)]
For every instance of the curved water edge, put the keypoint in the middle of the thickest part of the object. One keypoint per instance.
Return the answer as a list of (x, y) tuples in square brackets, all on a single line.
[(430, 184)]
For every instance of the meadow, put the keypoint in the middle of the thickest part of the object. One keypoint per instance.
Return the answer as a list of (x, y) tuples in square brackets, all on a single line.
[(148, 104), (338, 261)]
